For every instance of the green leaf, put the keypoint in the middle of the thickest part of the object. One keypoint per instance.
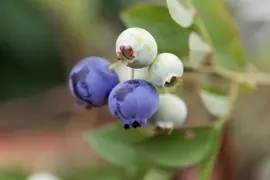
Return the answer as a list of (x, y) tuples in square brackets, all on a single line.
[(228, 51), (215, 100), (103, 173), (13, 174), (159, 174), (114, 144), (180, 14), (156, 19), (207, 165), (198, 49), (178, 150), (215, 90)]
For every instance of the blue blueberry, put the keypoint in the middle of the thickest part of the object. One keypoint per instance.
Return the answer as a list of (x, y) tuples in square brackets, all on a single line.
[(91, 82), (133, 102)]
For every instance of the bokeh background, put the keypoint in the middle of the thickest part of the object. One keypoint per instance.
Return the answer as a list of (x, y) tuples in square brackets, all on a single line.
[(40, 124)]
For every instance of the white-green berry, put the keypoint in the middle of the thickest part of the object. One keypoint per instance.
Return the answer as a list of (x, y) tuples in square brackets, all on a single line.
[(42, 176), (171, 113), (166, 71), (136, 47)]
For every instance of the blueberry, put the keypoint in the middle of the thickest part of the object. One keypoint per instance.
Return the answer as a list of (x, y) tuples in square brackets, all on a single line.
[(90, 81), (133, 102)]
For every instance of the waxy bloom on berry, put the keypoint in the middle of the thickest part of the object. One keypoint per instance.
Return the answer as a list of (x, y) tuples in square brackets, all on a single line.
[(171, 113), (166, 71), (90, 81), (136, 47), (133, 102)]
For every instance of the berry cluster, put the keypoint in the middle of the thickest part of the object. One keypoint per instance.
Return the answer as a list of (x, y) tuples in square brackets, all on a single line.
[(94, 83)]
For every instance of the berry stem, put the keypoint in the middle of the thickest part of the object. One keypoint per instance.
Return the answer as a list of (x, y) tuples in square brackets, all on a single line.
[(113, 65), (132, 73), (126, 52)]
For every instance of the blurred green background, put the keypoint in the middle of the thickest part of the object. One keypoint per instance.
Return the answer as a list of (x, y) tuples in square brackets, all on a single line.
[(40, 125)]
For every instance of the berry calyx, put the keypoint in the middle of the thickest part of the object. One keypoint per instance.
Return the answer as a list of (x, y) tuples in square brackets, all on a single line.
[(173, 81), (196, 14), (126, 54), (135, 124), (126, 126)]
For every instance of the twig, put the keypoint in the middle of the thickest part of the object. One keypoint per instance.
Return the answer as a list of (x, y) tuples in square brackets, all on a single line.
[(239, 77)]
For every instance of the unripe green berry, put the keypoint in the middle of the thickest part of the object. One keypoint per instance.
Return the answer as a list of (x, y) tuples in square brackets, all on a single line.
[(171, 113), (166, 71), (136, 47)]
